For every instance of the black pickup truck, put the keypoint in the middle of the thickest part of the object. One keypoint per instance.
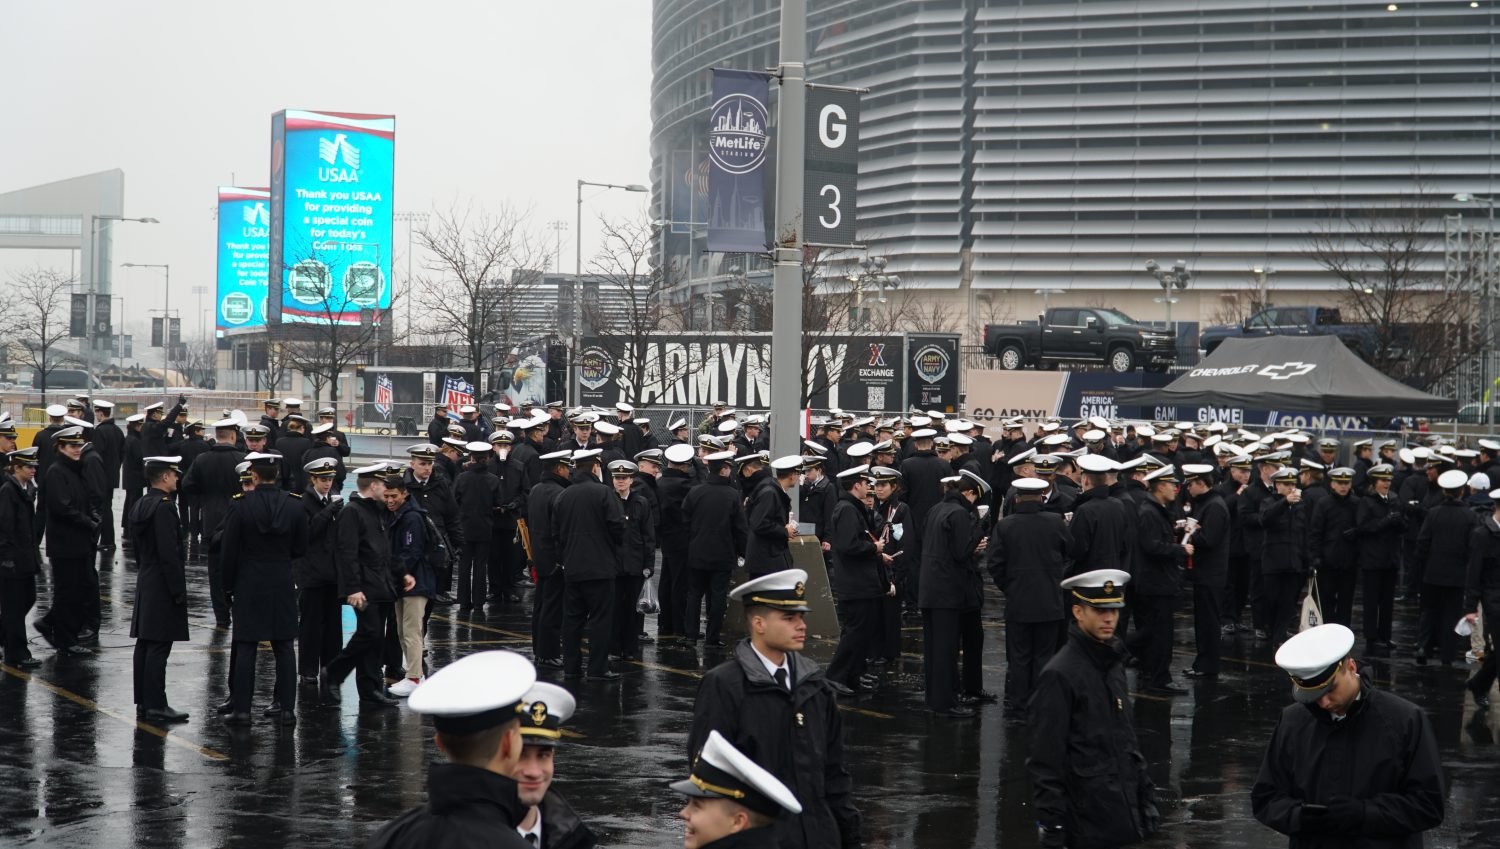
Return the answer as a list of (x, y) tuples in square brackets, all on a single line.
[(1081, 335), (1362, 339)]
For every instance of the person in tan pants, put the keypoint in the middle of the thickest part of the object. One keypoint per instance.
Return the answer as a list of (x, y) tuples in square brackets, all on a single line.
[(409, 544)]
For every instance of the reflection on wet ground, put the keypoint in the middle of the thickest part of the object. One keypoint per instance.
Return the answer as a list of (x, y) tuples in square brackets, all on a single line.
[(80, 772)]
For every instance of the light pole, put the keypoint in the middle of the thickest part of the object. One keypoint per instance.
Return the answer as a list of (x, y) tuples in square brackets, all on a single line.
[(410, 218), (873, 274), (93, 287), (1263, 279), (1486, 307), (1175, 278), (578, 223), (166, 312), (200, 291)]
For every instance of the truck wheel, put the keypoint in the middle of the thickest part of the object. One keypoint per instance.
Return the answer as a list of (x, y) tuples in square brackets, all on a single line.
[(1011, 358), (1121, 360)]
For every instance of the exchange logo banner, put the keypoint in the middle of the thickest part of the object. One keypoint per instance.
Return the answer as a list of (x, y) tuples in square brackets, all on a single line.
[(243, 258), (738, 141), (331, 209)]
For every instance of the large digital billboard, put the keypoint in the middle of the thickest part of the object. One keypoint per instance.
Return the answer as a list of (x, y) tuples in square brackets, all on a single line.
[(332, 175), (244, 231)]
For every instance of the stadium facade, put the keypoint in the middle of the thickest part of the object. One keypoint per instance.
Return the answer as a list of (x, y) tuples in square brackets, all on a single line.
[(1016, 151)]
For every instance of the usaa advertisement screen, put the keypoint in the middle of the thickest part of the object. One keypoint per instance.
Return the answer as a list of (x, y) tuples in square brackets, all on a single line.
[(244, 258), (334, 172)]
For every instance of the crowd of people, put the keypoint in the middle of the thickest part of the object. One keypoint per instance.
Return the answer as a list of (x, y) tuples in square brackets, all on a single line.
[(576, 510)]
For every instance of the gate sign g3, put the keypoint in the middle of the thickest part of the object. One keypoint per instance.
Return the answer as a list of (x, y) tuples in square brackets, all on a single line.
[(832, 149)]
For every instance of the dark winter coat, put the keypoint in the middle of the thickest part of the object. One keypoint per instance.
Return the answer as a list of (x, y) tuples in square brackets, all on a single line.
[(1482, 575), (796, 734), (480, 495), (154, 433), (19, 531), (1333, 538), (1443, 543), (1383, 753), (817, 500), (264, 532), (467, 808), (1087, 772), (362, 550), (672, 525), (767, 550), (71, 527), (409, 550), (1211, 542), (436, 497), (1252, 530), (539, 505), (638, 546), (110, 440), (315, 568), (588, 528), (160, 611), (1159, 560), (950, 572), (1379, 522), (294, 447), (717, 531), (133, 467), (922, 480), (1417, 495), (1284, 544), (1101, 532), (859, 572), (1027, 557), (437, 430), (214, 482), (46, 450), (561, 826)]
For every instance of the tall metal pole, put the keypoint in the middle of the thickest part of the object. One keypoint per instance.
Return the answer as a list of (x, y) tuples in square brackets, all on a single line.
[(166, 325), (786, 279)]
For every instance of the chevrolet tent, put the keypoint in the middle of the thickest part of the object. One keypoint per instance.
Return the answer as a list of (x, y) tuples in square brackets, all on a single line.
[(1315, 374)]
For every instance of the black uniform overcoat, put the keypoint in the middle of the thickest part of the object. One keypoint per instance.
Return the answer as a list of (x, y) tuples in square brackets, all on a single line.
[(264, 532), (161, 583)]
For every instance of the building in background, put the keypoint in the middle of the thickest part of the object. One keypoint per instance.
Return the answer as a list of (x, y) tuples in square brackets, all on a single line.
[(1021, 151)]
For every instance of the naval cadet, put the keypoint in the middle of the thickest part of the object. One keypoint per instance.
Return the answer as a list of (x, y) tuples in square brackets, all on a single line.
[(547, 601), (770, 699), (1210, 543), (368, 577), (550, 823), (861, 578), (263, 534), (951, 598), (160, 614), (769, 517), (1027, 555), (214, 481), (733, 802), (320, 632), (1088, 776), (476, 704), (1348, 765), (19, 562)]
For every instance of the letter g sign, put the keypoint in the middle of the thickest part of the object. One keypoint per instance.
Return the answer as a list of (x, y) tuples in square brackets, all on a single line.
[(831, 127)]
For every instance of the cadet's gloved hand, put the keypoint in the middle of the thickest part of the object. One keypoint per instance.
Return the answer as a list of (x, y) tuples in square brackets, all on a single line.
[(1051, 838), (649, 571), (1344, 815), (181, 399)]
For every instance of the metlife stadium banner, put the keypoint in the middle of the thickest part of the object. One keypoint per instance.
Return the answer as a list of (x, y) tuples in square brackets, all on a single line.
[(739, 138), (332, 175), (244, 232)]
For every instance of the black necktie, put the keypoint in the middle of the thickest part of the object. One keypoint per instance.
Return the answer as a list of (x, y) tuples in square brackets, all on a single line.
[(780, 677), (531, 837)]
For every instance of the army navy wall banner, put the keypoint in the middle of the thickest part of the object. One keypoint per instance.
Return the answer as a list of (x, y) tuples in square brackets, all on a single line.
[(934, 367), (738, 142)]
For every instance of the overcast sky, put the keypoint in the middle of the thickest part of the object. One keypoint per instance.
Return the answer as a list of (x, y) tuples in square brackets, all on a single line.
[(495, 101)]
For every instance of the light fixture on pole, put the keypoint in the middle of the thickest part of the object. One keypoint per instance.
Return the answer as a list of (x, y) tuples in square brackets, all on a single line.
[(1487, 276), (577, 288), (1175, 278), (872, 275), (166, 313), (1263, 280), (93, 285)]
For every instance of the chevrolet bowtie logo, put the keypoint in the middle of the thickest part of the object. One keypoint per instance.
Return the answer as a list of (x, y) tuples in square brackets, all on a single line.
[(1286, 371)]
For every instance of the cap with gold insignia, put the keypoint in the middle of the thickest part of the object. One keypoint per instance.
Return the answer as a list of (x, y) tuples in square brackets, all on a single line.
[(884, 474), (261, 460), (677, 424), (969, 480), (586, 455), (1046, 464), (719, 457), (502, 435), (856, 471), (135, 419), (323, 467), (1312, 659), (1198, 472), (374, 470), (1165, 473), (157, 464), (789, 463), (784, 590), (69, 436), (557, 457), (1023, 458), (256, 431), (1285, 474), (475, 693), (1341, 474), (23, 456), (723, 772), (621, 468), (544, 709), (1381, 471), (242, 469), (1103, 588), (650, 455)]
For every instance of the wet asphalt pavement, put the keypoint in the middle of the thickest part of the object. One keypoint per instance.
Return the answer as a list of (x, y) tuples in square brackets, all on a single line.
[(79, 771)]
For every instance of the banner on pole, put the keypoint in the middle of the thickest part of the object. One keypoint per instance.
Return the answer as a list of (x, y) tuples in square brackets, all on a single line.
[(385, 393), (738, 143), (457, 392), (830, 185)]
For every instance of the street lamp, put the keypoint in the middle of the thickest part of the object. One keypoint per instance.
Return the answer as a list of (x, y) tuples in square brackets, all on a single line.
[(1486, 305), (93, 287), (578, 224), (1175, 278), (1263, 277), (166, 310), (873, 273)]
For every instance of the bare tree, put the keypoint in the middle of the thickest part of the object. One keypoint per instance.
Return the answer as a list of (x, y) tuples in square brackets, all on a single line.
[(834, 309), (470, 293), (1383, 261), (36, 319), (1237, 305), (338, 331), (277, 362), (196, 361), (919, 313), (632, 303)]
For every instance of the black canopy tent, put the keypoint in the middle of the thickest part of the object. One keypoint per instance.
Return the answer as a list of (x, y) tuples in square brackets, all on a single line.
[(1313, 374)]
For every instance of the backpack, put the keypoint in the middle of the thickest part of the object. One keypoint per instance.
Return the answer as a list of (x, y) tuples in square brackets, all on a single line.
[(435, 548)]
